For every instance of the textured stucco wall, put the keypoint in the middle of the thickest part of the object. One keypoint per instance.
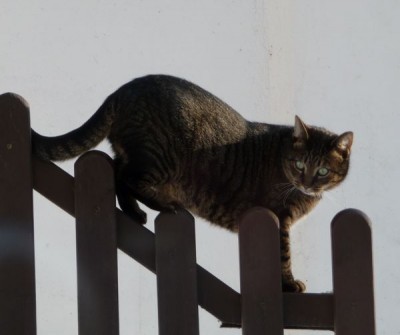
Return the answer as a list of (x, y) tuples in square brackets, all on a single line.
[(336, 64)]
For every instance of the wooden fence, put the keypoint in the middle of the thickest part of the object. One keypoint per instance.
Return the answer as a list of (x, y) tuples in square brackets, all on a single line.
[(182, 285)]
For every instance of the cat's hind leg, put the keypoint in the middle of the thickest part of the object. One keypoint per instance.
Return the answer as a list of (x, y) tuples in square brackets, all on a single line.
[(125, 196), (128, 203), (146, 185), (147, 192)]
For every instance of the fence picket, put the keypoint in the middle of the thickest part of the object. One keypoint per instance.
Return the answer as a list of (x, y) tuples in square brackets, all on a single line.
[(176, 274), (260, 273), (352, 274), (96, 243), (17, 260)]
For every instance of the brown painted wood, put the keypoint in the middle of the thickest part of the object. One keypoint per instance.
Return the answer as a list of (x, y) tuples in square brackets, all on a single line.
[(353, 281), (260, 273), (213, 295), (352, 274), (96, 243), (218, 299), (308, 311), (17, 261), (176, 274), (138, 242), (55, 184)]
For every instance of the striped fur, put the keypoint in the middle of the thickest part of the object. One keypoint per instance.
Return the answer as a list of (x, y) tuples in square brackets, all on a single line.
[(176, 145)]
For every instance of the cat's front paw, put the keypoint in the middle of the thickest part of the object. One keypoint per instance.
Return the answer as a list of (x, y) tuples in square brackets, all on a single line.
[(293, 285)]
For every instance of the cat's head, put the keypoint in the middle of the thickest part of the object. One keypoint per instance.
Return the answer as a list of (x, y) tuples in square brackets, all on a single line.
[(316, 159)]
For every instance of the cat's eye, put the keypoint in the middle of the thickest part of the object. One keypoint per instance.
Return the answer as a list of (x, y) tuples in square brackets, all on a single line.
[(299, 165), (323, 172)]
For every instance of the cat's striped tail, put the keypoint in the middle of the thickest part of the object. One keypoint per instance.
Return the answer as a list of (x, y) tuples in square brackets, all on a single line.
[(76, 142)]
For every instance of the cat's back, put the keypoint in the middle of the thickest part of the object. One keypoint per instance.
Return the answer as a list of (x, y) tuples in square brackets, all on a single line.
[(191, 112)]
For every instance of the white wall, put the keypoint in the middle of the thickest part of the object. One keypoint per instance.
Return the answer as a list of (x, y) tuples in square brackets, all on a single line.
[(335, 63)]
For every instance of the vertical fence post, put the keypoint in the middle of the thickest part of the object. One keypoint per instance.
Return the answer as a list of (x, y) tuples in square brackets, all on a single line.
[(176, 274), (96, 243), (352, 274), (17, 260), (260, 273)]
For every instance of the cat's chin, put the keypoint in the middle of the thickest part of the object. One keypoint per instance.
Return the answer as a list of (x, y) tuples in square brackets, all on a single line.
[(310, 193)]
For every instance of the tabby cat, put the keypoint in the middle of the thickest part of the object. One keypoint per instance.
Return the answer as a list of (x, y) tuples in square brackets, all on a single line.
[(178, 146)]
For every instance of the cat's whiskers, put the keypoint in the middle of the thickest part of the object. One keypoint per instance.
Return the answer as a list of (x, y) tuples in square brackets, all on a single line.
[(286, 190), (282, 189), (283, 186), (291, 190)]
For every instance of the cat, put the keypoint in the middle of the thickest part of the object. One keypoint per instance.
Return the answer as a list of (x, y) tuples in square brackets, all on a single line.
[(178, 146)]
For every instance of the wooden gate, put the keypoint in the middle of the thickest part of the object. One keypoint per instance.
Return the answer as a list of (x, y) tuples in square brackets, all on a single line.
[(182, 285)]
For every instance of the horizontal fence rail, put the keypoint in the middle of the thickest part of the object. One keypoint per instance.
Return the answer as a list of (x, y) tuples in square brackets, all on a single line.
[(182, 284)]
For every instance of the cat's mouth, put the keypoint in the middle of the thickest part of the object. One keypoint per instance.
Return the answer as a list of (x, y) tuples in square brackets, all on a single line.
[(308, 191)]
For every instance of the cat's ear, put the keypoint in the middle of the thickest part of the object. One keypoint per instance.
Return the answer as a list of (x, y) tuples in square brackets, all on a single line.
[(300, 132), (342, 144)]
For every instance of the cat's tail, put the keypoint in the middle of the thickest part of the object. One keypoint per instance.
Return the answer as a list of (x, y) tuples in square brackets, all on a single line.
[(76, 142)]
